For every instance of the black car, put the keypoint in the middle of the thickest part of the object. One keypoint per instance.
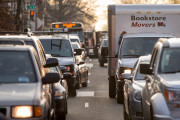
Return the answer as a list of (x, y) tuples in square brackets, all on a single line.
[(102, 59), (60, 47)]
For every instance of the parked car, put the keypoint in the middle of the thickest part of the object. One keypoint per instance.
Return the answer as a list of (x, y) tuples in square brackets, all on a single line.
[(23, 79), (102, 59), (132, 91), (60, 47), (161, 94), (28, 39)]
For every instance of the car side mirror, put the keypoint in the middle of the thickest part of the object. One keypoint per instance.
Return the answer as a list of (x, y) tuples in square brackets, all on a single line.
[(63, 68), (104, 51), (51, 62), (78, 51), (51, 77), (145, 68), (67, 75), (126, 76)]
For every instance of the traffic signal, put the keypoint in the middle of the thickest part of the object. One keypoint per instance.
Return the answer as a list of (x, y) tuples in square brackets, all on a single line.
[(32, 15)]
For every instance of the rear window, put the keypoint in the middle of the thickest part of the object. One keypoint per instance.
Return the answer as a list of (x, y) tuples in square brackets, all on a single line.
[(57, 47), (16, 67)]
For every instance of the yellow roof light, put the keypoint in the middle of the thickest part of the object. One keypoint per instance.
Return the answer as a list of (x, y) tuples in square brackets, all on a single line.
[(138, 12), (69, 25), (148, 12), (158, 12), (56, 25)]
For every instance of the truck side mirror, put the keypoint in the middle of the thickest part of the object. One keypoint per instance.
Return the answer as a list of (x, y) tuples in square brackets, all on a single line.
[(145, 68), (78, 51), (51, 62), (104, 51)]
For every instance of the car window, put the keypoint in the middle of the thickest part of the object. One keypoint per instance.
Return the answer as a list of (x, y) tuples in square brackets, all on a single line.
[(142, 46), (170, 60), (57, 47), (16, 67), (139, 76), (74, 40), (105, 43), (75, 46)]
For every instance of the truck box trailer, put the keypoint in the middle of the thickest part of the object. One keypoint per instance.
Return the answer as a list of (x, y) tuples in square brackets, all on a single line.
[(129, 25)]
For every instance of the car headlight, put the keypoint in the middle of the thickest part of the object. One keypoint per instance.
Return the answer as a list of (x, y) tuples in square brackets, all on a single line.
[(127, 71), (124, 70), (22, 112), (58, 93), (26, 111), (137, 95)]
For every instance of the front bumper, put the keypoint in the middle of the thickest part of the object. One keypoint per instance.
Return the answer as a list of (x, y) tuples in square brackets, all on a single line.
[(136, 109)]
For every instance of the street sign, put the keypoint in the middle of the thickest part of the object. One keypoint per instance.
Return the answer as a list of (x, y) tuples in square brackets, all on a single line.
[(31, 7)]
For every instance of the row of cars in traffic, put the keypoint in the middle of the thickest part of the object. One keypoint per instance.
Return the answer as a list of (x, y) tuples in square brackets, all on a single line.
[(38, 73), (143, 64)]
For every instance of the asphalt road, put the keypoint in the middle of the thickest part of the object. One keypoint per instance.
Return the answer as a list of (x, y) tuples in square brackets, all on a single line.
[(93, 103)]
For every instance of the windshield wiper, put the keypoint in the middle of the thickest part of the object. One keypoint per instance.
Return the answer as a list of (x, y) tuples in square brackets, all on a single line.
[(131, 55)]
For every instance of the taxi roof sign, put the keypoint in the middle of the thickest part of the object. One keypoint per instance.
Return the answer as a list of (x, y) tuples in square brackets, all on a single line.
[(69, 25)]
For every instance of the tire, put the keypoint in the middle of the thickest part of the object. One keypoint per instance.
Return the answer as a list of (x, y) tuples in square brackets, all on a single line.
[(61, 116), (125, 115), (112, 87), (85, 84), (101, 64), (78, 84), (73, 92), (120, 97)]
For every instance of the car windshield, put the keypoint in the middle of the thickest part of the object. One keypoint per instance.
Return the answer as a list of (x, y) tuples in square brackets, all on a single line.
[(135, 47), (170, 60), (75, 46), (105, 43), (16, 67), (74, 40), (57, 47)]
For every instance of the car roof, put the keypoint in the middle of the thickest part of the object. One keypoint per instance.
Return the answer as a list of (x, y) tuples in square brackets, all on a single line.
[(18, 37), (170, 42), (146, 35), (16, 47), (52, 37), (73, 36)]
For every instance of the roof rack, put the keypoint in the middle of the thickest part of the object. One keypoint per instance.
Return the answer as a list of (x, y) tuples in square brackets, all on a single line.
[(29, 34)]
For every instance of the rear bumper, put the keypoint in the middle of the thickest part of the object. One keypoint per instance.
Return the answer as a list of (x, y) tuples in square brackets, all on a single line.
[(60, 104)]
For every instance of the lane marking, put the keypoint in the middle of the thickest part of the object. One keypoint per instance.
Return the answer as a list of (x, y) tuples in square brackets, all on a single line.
[(88, 81), (86, 104), (90, 60), (89, 73), (89, 65), (85, 94)]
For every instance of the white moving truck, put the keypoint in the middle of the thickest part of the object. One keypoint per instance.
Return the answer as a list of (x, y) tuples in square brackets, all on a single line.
[(133, 30)]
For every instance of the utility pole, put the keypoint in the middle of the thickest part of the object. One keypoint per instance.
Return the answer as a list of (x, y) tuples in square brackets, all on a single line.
[(60, 10), (18, 25)]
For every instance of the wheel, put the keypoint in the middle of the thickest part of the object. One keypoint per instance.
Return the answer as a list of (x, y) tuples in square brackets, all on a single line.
[(112, 87), (61, 116), (85, 84), (78, 83), (101, 64), (73, 92), (125, 115), (120, 97)]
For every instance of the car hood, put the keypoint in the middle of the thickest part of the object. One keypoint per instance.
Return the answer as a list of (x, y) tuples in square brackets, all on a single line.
[(139, 84), (65, 60), (170, 80), (128, 62), (17, 94)]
